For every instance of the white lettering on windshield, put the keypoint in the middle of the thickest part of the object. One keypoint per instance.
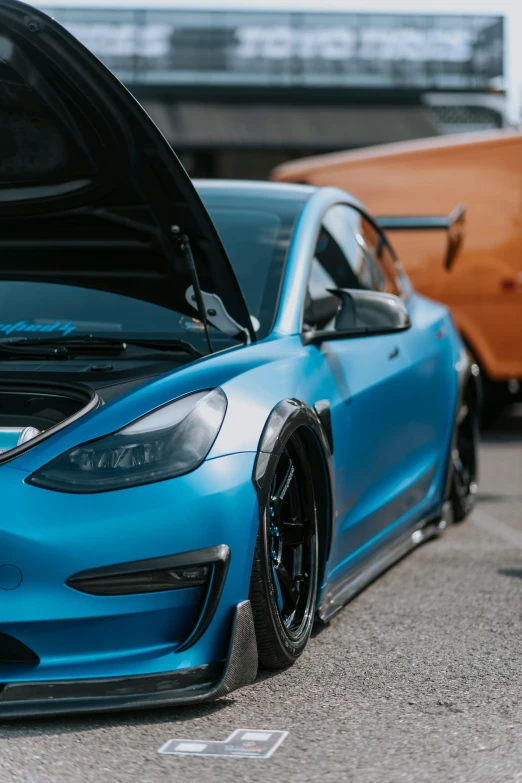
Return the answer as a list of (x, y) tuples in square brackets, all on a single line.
[(25, 326)]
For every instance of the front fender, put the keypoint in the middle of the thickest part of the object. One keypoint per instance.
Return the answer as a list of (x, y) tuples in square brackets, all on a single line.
[(286, 418)]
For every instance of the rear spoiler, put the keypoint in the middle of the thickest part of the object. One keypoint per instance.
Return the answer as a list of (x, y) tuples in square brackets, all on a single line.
[(453, 224)]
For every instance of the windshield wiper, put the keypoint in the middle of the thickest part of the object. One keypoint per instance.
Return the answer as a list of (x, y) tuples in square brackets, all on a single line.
[(63, 347)]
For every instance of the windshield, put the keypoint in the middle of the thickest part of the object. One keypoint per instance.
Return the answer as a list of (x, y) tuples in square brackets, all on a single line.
[(256, 238), (256, 227)]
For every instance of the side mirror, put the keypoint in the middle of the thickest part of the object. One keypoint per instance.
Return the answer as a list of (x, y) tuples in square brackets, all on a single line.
[(321, 307), (364, 313)]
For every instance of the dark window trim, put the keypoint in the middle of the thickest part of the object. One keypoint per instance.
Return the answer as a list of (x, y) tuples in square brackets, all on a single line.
[(405, 292)]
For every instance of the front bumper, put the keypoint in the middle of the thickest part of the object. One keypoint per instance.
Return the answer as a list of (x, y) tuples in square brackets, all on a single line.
[(49, 538), (184, 686)]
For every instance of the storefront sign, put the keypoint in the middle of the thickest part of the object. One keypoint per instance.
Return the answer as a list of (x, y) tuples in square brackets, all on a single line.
[(238, 48)]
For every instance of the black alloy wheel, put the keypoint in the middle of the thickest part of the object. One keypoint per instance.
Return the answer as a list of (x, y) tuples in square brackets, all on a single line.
[(496, 398), (464, 457), (283, 588)]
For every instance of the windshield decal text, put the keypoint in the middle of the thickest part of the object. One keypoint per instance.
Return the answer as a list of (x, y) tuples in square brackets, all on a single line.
[(25, 326)]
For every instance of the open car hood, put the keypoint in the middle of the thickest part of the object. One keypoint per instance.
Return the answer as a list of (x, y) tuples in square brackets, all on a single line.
[(91, 193)]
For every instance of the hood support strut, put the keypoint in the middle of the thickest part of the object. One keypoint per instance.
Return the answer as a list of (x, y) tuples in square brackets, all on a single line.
[(184, 245), (186, 249)]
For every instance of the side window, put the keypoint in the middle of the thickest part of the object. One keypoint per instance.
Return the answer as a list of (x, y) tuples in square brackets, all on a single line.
[(340, 251), (388, 276), (341, 260), (394, 273)]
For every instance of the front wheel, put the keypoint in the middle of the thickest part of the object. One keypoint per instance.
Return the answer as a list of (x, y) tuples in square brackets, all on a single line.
[(283, 586)]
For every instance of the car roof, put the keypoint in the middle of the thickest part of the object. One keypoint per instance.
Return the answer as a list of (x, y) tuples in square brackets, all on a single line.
[(254, 190), (269, 191)]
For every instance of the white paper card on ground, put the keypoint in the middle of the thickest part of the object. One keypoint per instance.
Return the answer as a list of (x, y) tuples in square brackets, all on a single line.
[(242, 743), (191, 747)]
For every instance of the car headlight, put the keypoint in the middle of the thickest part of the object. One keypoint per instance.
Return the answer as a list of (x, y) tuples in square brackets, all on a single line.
[(170, 441)]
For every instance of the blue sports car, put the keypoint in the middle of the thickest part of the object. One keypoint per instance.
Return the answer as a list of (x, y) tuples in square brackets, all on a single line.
[(223, 409)]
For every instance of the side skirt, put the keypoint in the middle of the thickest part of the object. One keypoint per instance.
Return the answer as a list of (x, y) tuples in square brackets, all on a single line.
[(333, 600)]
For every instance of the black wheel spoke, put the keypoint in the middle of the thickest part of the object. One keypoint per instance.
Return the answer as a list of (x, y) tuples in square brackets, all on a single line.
[(457, 464), (285, 573), (293, 532), (289, 591), (461, 415), (291, 541), (282, 489), (464, 459)]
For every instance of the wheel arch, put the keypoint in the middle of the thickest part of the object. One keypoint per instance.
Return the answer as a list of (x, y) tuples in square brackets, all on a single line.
[(469, 385), (475, 349), (285, 419)]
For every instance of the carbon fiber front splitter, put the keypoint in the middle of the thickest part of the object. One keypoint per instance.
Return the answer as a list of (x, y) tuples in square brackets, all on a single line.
[(185, 686)]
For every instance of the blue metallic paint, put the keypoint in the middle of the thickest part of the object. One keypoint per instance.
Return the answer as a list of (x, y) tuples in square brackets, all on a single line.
[(392, 418), (55, 535)]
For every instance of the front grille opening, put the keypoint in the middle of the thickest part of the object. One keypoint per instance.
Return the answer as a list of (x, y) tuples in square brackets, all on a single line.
[(14, 651)]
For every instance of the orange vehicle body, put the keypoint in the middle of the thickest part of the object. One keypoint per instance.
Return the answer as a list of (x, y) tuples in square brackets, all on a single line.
[(429, 177)]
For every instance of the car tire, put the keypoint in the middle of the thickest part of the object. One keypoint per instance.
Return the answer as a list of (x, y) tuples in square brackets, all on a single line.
[(495, 398), (494, 394), (464, 459), (284, 581)]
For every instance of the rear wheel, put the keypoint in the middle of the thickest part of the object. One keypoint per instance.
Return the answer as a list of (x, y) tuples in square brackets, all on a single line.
[(496, 398), (283, 587), (464, 458), (494, 394)]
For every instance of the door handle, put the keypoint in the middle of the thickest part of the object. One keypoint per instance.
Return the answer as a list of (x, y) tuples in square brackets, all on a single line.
[(394, 353)]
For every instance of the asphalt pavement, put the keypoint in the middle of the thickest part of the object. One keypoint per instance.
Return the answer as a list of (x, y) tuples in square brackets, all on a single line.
[(417, 679)]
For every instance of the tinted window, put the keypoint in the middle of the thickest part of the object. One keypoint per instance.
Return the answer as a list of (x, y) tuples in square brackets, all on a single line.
[(341, 260), (394, 276), (27, 309), (256, 227), (250, 238), (386, 272), (341, 251), (257, 241)]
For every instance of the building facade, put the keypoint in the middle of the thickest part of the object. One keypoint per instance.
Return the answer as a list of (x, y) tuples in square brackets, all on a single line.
[(237, 91)]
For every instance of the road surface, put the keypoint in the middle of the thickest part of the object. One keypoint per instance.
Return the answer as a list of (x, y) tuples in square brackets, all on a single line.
[(418, 679)]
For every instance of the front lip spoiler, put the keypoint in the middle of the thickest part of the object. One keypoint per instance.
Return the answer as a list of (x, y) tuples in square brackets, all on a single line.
[(185, 686)]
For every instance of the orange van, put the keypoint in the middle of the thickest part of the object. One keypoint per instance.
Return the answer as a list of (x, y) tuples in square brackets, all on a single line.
[(484, 286)]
